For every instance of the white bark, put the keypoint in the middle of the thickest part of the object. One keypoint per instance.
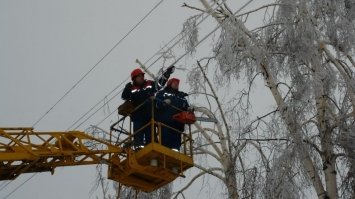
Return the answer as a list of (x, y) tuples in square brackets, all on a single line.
[(325, 137), (313, 90), (292, 127), (295, 134)]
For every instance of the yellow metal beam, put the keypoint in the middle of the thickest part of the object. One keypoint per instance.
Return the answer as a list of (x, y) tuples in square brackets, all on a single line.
[(22, 150)]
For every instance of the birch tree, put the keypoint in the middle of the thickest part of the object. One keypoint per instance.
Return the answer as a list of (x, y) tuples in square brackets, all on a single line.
[(304, 53), (303, 56), (219, 143)]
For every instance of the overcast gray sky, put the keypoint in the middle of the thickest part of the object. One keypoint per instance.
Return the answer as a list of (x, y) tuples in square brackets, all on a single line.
[(46, 46)]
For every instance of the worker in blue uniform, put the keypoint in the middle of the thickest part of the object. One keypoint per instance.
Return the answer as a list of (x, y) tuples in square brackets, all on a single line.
[(139, 92), (170, 101)]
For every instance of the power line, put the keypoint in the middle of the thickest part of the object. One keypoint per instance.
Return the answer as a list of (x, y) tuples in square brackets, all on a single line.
[(78, 82), (98, 110), (204, 38), (97, 63), (120, 84), (13, 191), (113, 90), (4, 185), (92, 108)]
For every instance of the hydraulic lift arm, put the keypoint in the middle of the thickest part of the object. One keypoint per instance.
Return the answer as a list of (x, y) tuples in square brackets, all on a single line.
[(23, 150)]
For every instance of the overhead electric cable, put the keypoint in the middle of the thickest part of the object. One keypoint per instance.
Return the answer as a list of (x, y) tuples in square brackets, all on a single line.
[(204, 38), (13, 191), (82, 78), (97, 63), (218, 26), (121, 83)]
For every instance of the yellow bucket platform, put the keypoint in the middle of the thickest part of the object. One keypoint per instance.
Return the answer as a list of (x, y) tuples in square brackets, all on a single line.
[(150, 168)]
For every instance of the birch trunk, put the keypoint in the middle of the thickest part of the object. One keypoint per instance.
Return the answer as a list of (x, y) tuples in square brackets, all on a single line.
[(292, 127), (231, 181)]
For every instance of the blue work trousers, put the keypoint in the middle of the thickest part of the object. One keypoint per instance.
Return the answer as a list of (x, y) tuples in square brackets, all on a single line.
[(141, 136), (171, 138)]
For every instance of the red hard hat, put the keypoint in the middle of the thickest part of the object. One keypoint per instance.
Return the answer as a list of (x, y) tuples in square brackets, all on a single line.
[(172, 80), (136, 72)]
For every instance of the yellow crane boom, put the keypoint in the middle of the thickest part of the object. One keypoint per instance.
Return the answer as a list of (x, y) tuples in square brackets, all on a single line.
[(22, 150)]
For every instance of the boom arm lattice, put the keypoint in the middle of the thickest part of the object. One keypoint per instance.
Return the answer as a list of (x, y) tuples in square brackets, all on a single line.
[(23, 151)]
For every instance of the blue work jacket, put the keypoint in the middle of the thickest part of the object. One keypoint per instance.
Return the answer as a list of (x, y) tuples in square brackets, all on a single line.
[(165, 111)]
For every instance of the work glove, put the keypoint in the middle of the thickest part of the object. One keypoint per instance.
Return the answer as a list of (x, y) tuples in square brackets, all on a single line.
[(184, 94), (170, 70), (167, 101), (128, 85)]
